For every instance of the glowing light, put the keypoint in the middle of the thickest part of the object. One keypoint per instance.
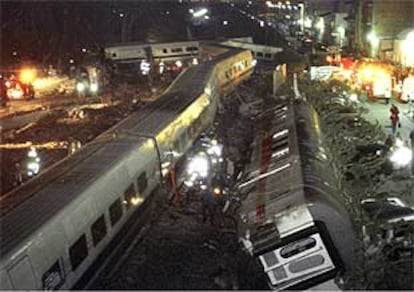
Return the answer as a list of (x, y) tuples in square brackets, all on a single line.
[(373, 39), (32, 152), (195, 61), (178, 63), (199, 13), (401, 156), (33, 168), (47, 145), (215, 150), (94, 87), (199, 165), (145, 67), (80, 87), (137, 201), (27, 76)]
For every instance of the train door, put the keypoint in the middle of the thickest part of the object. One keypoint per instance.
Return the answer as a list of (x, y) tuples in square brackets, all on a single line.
[(21, 275)]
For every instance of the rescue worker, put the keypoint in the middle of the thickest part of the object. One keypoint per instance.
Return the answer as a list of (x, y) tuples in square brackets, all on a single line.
[(395, 118), (208, 205), (389, 142)]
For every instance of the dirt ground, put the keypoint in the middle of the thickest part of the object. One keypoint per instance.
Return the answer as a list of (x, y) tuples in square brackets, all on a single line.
[(81, 122)]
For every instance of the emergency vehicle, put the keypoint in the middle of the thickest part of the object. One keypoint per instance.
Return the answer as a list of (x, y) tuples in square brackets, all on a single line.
[(376, 79)]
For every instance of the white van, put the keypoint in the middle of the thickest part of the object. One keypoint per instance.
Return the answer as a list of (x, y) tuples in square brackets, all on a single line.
[(407, 90)]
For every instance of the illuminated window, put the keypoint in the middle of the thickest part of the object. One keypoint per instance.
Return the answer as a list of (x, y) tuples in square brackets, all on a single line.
[(129, 194), (280, 153), (280, 134)]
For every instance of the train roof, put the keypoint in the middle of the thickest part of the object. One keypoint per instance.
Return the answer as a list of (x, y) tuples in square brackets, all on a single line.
[(143, 45), (47, 194)]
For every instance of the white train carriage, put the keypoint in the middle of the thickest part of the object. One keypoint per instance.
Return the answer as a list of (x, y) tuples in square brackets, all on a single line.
[(293, 219), (129, 53), (54, 227), (171, 52), (260, 52)]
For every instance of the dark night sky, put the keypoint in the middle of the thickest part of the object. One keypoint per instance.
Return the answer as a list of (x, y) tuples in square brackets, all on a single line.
[(47, 31)]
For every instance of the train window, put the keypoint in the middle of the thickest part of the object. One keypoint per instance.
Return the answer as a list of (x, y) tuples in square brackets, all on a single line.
[(297, 247), (142, 182), (176, 50), (306, 263), (129, 194), (164, 51), (115, 211), (78, 252), (280, 153), (98, 230), (114, 55), (268, 56), (53, 278), (279, 134), (189, 49), (279, 144), (259, 54)]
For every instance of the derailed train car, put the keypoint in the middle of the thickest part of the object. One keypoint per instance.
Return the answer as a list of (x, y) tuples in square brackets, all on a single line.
[(56, 226), (292, 218)]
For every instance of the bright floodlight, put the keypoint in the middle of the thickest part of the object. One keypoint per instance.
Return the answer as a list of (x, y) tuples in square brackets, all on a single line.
[(32, 152), (201, 12), (178, 63), (94, 87), (33, 168), (80, 87), (215, 150), (401, 156), (199, 165), (373, 39)]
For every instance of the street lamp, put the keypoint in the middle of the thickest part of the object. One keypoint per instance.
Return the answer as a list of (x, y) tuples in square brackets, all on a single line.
[(341, 35), (374, 41)]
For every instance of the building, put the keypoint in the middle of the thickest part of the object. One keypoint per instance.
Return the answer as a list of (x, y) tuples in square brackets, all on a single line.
[(379, 24)]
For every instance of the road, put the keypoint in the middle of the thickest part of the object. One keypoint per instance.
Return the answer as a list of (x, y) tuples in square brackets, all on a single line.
[(401, 181)]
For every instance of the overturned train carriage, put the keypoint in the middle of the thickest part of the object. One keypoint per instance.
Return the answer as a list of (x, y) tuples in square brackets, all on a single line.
[(292, 217)]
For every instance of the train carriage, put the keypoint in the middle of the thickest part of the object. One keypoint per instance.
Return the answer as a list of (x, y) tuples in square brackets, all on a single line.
[(54, 227), (293, 219)]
